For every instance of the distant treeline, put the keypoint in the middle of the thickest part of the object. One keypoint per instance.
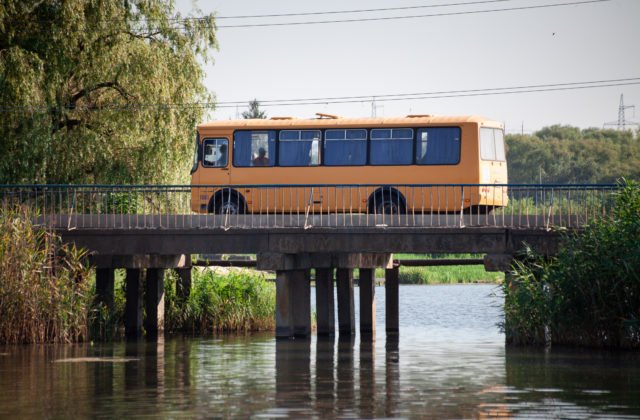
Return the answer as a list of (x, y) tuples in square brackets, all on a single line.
[(565, 154)]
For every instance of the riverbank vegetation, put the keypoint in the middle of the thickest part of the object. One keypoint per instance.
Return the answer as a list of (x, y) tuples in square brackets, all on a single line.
[(565, 154), (45, 295), (221, 300), (589, 295), (449, 274)]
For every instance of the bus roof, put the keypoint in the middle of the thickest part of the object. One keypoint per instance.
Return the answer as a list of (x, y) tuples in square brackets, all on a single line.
[(287, 122)]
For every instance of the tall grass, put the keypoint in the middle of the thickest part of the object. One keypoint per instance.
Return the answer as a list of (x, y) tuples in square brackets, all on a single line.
[(450, 274), (44, 289), (589, 295), (226, 301)]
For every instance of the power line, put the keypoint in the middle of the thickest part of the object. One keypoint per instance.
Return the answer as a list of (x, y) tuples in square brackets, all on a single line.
[(459, 13), (181, 23), (380, 96), (386, 9), (361, 99)]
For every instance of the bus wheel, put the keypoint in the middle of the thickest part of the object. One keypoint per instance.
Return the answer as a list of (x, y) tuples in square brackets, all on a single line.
[(229, 203), (387, 204)]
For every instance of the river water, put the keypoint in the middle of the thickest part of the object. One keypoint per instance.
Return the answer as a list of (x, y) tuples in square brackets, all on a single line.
[(449, 361)]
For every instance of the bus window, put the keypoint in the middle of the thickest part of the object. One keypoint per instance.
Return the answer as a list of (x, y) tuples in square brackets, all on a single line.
[(254, 148), (299, 148), (438, 146), (499, 137), (215, 153), (391, 146), (345, 147), (492, 144)]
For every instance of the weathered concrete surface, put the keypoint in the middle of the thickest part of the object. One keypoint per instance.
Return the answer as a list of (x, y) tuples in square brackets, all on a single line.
[(325, 303), (140, 261), (133, 306), (392, 300), (154, 301), (367, 301), (277, 261), (346, 311), (486, 240), (498, 262), (293, 303)]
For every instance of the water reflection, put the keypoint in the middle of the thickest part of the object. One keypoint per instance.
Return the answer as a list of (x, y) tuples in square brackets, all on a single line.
[(429, 371)]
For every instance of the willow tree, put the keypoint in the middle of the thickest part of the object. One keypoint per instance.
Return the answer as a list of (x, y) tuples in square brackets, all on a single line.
[(96, 90)]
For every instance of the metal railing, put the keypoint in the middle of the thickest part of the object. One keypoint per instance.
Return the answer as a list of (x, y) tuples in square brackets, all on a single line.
[(308, 206)]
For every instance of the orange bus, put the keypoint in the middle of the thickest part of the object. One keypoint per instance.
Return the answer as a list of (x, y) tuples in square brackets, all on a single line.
[(333, 164)]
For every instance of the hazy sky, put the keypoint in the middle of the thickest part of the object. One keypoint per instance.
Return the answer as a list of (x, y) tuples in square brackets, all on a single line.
[(555, 45)]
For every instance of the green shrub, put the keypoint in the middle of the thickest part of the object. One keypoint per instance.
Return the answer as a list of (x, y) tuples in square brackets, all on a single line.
[(589, 294)]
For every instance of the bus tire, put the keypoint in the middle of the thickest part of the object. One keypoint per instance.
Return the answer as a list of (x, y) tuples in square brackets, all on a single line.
[(387, 202), (227, 201)]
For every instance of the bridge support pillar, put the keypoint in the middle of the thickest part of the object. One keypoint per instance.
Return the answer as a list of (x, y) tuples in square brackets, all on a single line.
[(133, 304), (183, 285), (154, 301), (391, 300), (325, 306), (346, 314), (293, 303), (104, 286), (367, 302)]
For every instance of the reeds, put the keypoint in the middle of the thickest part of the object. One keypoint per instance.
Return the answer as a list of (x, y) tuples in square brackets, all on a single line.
[(44, 288), (229, 301), (589, 295)]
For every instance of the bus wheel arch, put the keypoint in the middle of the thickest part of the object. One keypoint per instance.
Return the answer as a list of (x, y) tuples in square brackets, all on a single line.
[(387, 200), (227, 199)]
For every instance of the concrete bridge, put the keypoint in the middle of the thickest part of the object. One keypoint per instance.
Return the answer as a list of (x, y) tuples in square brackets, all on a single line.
[(157, 234), (291, 253)]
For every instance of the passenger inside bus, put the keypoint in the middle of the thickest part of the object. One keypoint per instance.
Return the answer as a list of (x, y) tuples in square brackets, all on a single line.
[(261, 159), (222, 155)]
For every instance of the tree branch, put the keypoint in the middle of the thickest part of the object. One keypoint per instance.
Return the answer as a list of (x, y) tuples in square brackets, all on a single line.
[(114, 85)]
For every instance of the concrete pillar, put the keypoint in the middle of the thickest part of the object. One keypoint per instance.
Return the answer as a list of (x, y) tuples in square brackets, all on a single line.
[(293, 303), (183, 285), (104, 286), (284, 304), (133, 304), (367, 303), (154, 301), (325, 307), (302, 303), (392, 300), (346, 315)]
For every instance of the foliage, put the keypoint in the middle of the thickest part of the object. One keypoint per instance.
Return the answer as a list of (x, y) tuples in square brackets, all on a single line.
[(222, 302), (89, 87), (254, 111), (44, 289), (564, 154), (450, 274), (590, 293)]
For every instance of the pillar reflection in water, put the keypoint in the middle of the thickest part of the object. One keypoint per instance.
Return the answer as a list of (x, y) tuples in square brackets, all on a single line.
[(293, 374), (337, 379), (367, 377), (325, 389), (392, 374)]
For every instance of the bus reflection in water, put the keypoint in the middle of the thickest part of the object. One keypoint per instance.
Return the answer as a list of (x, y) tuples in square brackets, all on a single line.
[(332, 164)]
